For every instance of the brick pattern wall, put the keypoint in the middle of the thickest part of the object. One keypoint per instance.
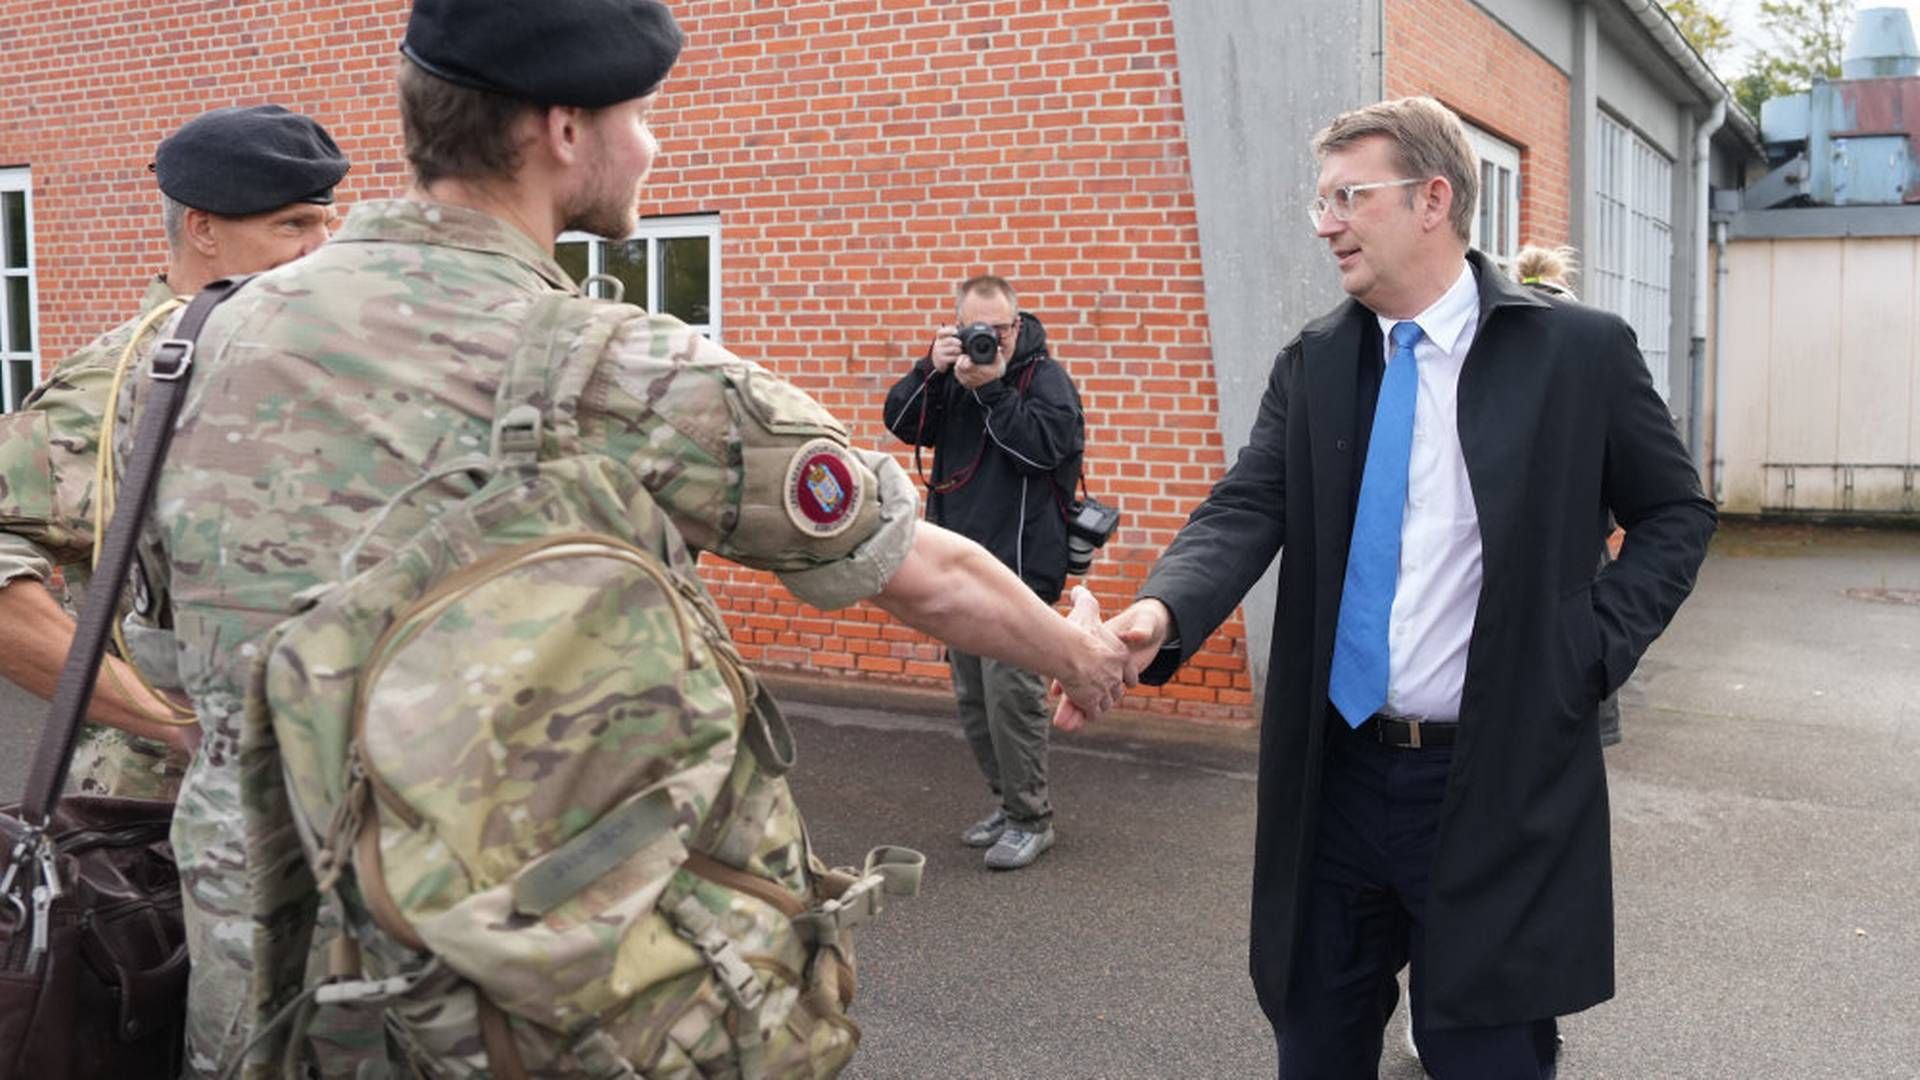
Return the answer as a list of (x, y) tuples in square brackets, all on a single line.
[(1454, 51), (863, 155)]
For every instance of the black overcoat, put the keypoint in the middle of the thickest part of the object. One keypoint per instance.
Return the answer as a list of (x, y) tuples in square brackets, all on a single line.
[(1559, 424)]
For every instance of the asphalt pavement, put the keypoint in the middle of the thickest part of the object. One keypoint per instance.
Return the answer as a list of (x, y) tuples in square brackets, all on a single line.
[(1766, 802)]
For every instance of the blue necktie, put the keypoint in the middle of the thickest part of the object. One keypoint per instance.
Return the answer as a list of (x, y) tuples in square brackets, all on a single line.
[(1358, 687)]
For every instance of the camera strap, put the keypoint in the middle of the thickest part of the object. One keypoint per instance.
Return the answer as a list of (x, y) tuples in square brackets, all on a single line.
[(964, 476)]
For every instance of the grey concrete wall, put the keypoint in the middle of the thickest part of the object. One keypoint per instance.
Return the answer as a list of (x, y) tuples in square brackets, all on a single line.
[(1257, 79), (1547, 28), (1634, 96)]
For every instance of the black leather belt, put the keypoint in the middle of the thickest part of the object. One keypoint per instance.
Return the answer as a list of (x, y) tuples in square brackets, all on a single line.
[(1408, 733)]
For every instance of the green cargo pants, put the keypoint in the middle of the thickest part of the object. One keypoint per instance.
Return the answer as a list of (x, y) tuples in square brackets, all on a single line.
[(1004, 712)]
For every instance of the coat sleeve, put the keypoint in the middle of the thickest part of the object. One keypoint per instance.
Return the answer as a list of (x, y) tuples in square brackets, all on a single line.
[(1653, 489), (918, 394), (1232, 537), (1039, 430)]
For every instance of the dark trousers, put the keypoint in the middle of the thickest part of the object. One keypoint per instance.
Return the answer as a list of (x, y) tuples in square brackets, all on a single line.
[(1366, 916)]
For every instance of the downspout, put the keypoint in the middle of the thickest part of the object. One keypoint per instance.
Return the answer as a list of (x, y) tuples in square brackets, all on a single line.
[(1719, 488), (1697, 346)]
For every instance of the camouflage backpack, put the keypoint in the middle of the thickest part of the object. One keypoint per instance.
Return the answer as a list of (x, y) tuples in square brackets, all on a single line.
[(524, 757)]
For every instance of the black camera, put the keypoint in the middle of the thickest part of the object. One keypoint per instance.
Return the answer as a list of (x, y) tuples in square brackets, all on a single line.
[(1090, 525), (980, 341)]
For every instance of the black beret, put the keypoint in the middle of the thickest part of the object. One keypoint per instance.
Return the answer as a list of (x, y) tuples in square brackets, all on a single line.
[(586, 53), (248, 160)]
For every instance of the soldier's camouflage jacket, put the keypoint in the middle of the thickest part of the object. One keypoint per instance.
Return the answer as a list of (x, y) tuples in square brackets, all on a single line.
[(326, 386), (49, 451)]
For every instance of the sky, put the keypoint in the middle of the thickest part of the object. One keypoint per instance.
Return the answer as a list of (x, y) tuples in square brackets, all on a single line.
[(1744, 17)]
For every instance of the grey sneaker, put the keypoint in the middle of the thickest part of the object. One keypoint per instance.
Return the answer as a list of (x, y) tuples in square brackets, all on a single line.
[(984, 832), (1018, 847)]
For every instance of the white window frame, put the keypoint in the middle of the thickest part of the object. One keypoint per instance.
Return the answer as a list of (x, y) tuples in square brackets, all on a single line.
[(653, 230), (20, 179), (1630, 266), (1498, 210)]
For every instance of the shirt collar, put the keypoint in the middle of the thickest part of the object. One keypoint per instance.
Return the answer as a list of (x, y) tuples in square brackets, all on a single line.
[(417, 222), (158, 292), (1445, 320)]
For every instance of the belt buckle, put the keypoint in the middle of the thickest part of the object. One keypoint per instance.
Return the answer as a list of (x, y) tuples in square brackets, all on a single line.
[(1413, 734)]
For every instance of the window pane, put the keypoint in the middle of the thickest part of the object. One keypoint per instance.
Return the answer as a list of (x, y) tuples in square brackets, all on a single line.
[(19, 316), (1486, 206), (20, 374), (13, 224), (627, 260), (572, 257), (683, 272), (1506, 200)]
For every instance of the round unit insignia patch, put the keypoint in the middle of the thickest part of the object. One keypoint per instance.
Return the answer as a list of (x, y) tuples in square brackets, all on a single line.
[(821, 491)]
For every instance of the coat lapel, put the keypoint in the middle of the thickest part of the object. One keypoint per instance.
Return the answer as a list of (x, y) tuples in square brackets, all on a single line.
[(1498, 386), (1330, 356)]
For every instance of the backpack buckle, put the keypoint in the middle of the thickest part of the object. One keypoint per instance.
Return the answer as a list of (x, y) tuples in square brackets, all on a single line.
[(171, 359), (516, 436)]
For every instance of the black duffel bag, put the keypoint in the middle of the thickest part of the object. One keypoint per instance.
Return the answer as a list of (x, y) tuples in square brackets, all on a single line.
[(93, 955)]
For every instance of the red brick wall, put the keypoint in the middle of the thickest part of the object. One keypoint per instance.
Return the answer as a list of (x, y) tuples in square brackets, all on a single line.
[(863, 155), (1455, 52)]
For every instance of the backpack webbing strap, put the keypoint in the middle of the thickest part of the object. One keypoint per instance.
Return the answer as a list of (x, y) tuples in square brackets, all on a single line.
[(560, 345), (169, 372), (736, 978)]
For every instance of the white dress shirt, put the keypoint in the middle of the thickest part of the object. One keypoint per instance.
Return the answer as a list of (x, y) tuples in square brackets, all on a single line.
[(1439, 586)]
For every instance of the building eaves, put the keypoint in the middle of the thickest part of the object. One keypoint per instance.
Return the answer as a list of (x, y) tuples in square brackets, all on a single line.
[(1652, 18)]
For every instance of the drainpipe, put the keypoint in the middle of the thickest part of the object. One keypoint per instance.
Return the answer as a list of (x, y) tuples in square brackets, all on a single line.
[(1697, 347), (1719, 464)]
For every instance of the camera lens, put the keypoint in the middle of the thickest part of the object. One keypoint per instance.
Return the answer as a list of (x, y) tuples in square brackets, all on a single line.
[(1079, 556), (980, 343)]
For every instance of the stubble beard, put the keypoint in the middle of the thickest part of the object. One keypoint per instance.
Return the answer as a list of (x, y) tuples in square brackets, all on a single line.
[(606, 208)]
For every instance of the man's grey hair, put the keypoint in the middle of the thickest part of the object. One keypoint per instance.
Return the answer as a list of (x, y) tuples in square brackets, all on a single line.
[(1428, 140), (985, 285), (173, 214)]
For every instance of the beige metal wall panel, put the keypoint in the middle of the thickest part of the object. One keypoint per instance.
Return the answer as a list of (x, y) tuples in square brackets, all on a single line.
[(1803, 423), (1746, 360), (1821, 376), (1878, 355)]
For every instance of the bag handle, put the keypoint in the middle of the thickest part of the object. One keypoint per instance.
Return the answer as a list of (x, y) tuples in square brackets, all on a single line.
[(168, 372)]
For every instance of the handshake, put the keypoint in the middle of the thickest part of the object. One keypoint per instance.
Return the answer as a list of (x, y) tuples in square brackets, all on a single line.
[(1110, 659)]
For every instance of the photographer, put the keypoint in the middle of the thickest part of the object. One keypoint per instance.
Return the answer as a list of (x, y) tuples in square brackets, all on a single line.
[(1005, 426)]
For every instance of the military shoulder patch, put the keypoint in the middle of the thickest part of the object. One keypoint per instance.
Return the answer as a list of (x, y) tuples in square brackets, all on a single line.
[(821, 491)]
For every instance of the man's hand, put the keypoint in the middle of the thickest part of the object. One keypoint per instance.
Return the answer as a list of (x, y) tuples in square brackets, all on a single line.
[(946, 349), (1103, 671), (1141, 629), (973, 376)]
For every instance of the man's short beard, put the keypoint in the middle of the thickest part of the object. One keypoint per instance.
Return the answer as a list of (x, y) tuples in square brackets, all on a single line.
[(604, 217), (604, 208)]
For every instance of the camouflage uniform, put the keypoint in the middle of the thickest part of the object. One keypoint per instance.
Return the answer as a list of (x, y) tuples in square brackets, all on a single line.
[(328, 385), (49, 451)]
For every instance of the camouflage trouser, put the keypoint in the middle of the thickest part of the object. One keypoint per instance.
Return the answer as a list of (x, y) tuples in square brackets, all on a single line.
[(209, 841), (108, 761), (1004, 711)]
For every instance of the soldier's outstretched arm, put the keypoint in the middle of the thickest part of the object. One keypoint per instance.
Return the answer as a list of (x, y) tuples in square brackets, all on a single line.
[(33, 647), (954, 589)]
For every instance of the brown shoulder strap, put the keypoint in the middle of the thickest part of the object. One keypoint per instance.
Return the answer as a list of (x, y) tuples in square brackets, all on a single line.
[(169, 371)]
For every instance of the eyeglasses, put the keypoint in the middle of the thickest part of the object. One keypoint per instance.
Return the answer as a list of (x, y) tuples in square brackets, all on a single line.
[(1342, 201)]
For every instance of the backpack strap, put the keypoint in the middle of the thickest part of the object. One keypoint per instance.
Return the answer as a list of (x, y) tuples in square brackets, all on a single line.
[(560, 344)]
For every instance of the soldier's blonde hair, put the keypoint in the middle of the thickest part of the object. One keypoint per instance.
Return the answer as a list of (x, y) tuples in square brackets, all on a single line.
[(1428, 140)]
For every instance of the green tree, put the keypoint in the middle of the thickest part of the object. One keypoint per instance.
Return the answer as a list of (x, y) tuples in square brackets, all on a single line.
[(1806, 38), (1704, 24)]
